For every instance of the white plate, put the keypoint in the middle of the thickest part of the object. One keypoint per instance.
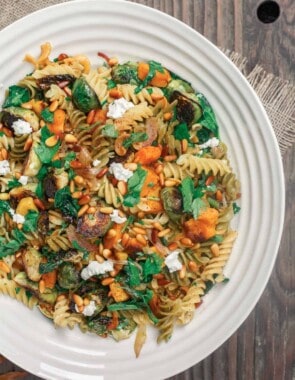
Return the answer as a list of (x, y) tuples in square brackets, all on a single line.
[(131, 31)]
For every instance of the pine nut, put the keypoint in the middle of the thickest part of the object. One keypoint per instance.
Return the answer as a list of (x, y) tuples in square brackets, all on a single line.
[(139, 230), (107, 281), (51, 141), (182, 272), (39, 204), (42, 123), (156, 97), (28, 144), (90, 117), (53, 106), (72, 186), (114, 273), (170, 183), (91, 210), (159, 169), (106, 210), (121, 256), (86, 301), (122, 187), (4, 153), (184, 145), (17, 175), (113, 61), (186, 242), (61, 297), (77, 194), (111, 233), (107, 253), (84, 200), (20, 226), (83, 210), (41, 286), (140, 239), (99, 259), (215, 249), (219, 195), (70, 139), (164, 232), (158, 226), (115, 93), (78, 300), (4, 267), (131, 166), (141, 214), (27, 105), (4, 196), (81, 308), (161, 179), (193, 266), (172, 246), (125, 239), (102, 173), (170, 157), (167, 116)]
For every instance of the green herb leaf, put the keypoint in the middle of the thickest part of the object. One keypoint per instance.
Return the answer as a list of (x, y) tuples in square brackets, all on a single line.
[(153, 68), (109, 130), (129, 221), (13, 183), (217, 238), (133, 273), (16, 96), (49, 266), (4, 207), (187, 191), (111, 84), (78, 247), (44, 152), (63, 200), (134, 138), (198, 206), (181, 132), (151, 266), (208, 119), (31, 221), (236, 208), (135, 184), (47, 115), (68, 158), (9, 248)]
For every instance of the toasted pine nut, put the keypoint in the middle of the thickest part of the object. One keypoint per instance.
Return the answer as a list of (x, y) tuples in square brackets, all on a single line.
[(106, 253), (139, 230), (131, 166), (99, 259), (167, 116), (113, 61), (114, 273), (91, 210), (17, 175), (102, 172), (51, 141), (39, 204), (72, 186), (219, 195), (172, 246), (77, 194), (27, 105), (75, 164), (106, 210), (209, 180), (90, 117), (186, 242), (115, 93), (121, 256), (84, 200), (215, 249), (125, 238), (100, 248), (162, 180), (70, 139), (141, 214), (158, 226), (170, 183), (4, 267), (82, 210), (60, 297), (67, 90), (41, 286), (78, 300), (111, 233), (107, 281), (81, 308), (122, 187), (164, 232), (182, 272), (4, 196), (193, 266), (42, 123), (170, 157), (140, 239), (156, 97), (159, 169), (4, 153), (19, 226), (184, 145), (86, 301), (28, 144), (53, 106)]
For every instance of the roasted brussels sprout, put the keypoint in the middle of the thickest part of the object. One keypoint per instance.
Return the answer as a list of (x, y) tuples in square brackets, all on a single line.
[(94, 225), (188, 109), (179, 85), (24, 114), (45, 82), (31, 260), (99, 324), (124, 330), (7, 119), (172, 202), (126, 73), (33, 163), (68, 277), (18, 193), (84, 96), (48, 296), (49, 185), (43, 223)]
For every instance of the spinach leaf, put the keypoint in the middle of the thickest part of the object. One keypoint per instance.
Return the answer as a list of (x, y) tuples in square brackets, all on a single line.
[(187, 190), (68, 158), (4, 207), (135, 184), (134, 138), (181, 132), (47, 115), (44, 152), (236, 208), (13, 183), (9, 248), (31, 221), (64, 201), (198, 206), (109, 130), (134, 274), (49, 266), (16, 96), (111, 84), (208, 119), (151, 266), (153, 67)]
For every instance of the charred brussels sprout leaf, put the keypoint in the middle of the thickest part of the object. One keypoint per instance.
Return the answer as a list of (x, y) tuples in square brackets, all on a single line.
[(68, 277), (172, 202), (126, 73), (188, 109), (84, 96)]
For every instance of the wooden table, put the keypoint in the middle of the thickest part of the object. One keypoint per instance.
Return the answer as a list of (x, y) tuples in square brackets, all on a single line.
[(264, 346)]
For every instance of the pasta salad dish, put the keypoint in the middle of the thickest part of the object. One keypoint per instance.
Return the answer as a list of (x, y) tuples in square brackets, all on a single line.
[(116, 195)]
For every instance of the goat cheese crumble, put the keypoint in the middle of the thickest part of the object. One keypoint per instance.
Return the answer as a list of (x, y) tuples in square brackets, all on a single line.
[(119, 172), (96, 163), (95, 268), (4, 167), (115, 217), (118, 107), (88, 310), (18, 218), (172, 261), (23, 179), (21, 127), (211, 143)]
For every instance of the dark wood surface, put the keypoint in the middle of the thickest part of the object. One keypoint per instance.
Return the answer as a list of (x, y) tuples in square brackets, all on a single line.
[(264, 346)]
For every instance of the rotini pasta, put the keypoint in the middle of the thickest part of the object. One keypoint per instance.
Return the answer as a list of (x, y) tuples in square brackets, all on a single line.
[(116, 196)]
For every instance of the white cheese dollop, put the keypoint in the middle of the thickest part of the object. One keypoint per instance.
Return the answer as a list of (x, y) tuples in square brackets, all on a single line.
[(95, 268), (21, 127), (95, 163), (115, 217), (88, 310), (118, 107), (211, 143), (172, 261), (23, 179), (119, 172), (18, 218), (4, 167)]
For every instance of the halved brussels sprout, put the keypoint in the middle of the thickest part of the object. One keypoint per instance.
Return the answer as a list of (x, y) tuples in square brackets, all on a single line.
[(99, 324), (124, 330), (33, 163), (24, 114), (46, 310), (188, 109), (172, 202), (178, 85), (68, 277), (49, 185), (94, 225), (84, 97), (31, 260), (125, 73)]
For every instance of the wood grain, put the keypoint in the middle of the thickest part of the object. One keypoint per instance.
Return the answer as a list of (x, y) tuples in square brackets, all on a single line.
[(264, 346)]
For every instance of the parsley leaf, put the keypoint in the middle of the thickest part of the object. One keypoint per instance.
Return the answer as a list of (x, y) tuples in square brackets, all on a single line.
[(151, 266), (198, 206), (133, 273), (44, 152), (208, 119), (109, 130), (236, 208), (4, 207), (64, 201), (181, 132), (9, 248), (31, 221), (134, 138), (13, 183), (47, 115), (187, 190), (68, 158), (16, 96), (111, 84), (134, 184)]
